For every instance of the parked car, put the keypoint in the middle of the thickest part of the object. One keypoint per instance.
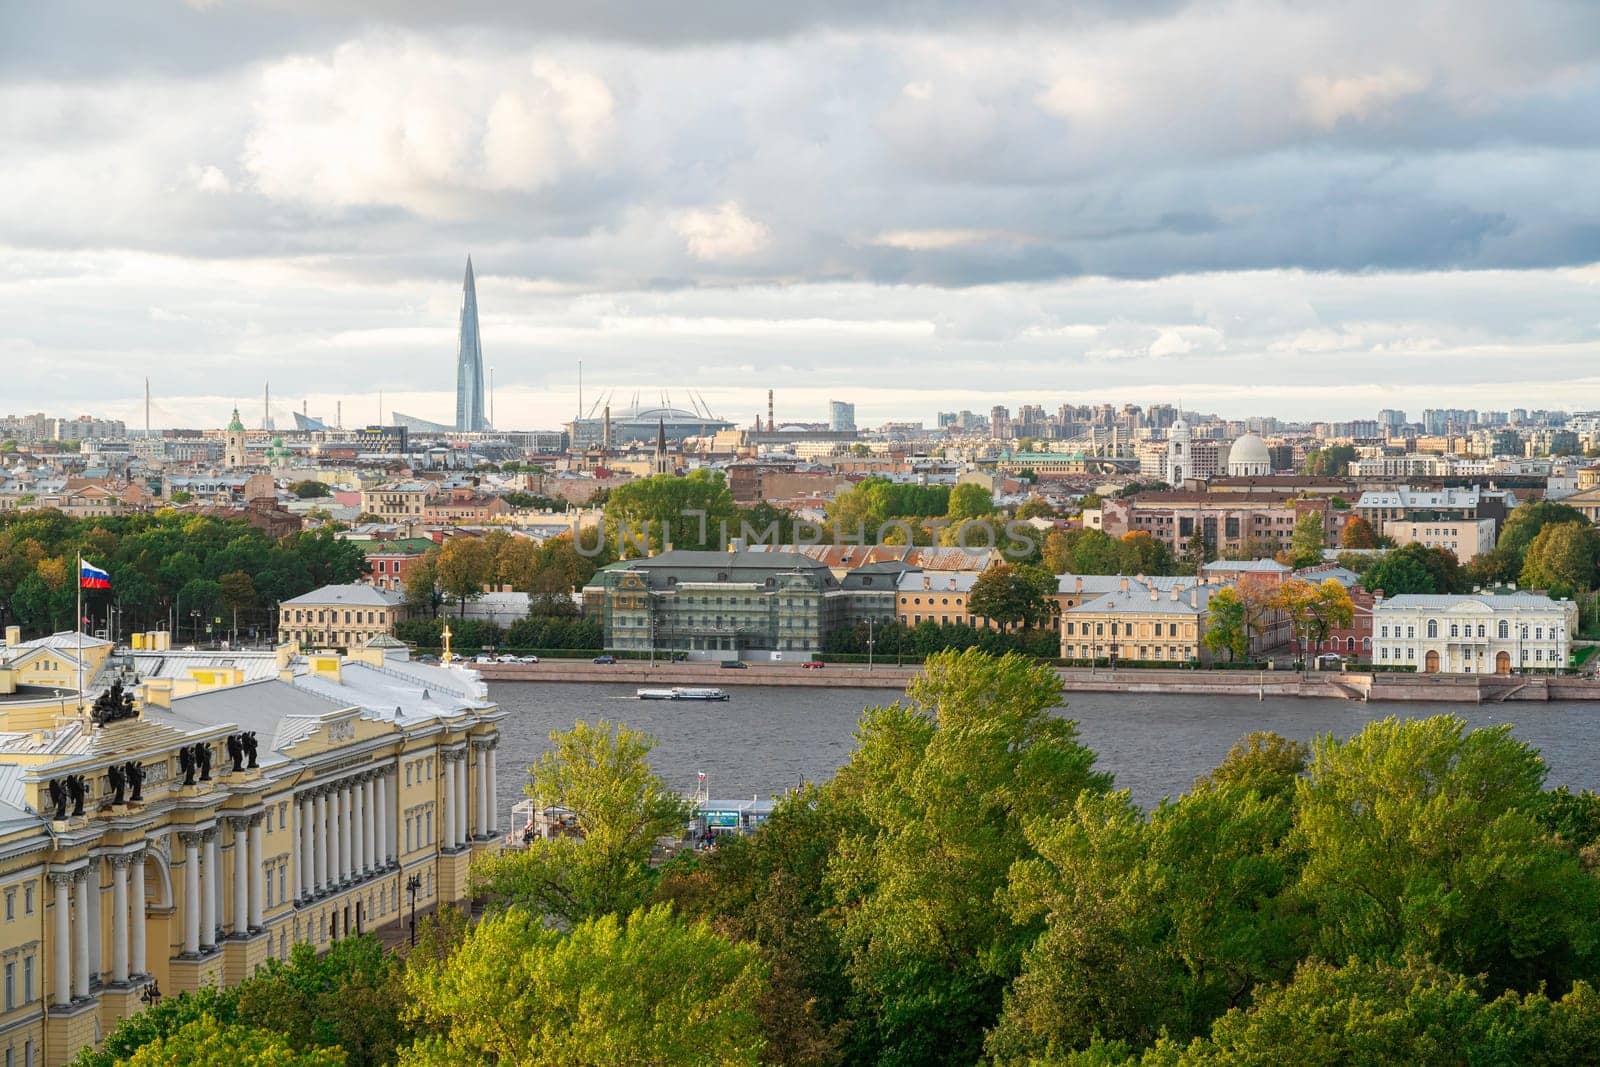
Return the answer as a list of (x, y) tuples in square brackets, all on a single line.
[(484, 658), (426, 658), (812, 665), (735, 665), (527, 659), (608, 658)]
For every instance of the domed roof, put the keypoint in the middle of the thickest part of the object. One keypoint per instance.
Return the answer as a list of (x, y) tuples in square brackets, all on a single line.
[(1249, 449)]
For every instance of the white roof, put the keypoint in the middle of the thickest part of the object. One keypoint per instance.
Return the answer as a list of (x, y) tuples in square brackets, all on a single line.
[(364, 596), (1406, 497), (1448, 601)]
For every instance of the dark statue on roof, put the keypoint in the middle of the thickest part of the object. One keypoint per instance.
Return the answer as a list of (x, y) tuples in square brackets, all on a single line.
[(118, 783), (113, 705), (202, 759), (58, 798), (77, 791), (241, 747), (186, 764), (133, 771)]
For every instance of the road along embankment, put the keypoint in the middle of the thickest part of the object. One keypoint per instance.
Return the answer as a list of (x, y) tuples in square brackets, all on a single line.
[(1337, 685)]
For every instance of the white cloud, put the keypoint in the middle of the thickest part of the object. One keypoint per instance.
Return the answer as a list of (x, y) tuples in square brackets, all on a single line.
[(1329, 100), (210, 179), (406, 124), (934, 240), (721, 232)]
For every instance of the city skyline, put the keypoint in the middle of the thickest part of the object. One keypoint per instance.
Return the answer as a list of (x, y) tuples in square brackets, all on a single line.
[(1307, 212)]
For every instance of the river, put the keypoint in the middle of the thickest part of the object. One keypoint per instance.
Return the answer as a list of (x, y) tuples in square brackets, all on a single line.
[(764, 739)]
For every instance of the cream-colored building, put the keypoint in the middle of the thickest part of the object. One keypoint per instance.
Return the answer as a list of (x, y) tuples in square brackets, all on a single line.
[(1140, 621), (1473, 633), (1464, 537), (340, 616), (370, 770), (397, 501)]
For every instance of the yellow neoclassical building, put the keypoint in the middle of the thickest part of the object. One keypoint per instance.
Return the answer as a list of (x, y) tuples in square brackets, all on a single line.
[(134, 853)]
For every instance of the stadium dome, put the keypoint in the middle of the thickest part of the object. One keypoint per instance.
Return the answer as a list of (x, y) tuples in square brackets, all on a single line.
[(1249, 458)]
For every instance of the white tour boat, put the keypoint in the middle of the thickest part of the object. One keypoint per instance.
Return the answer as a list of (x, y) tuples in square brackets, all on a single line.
[(683, 692)]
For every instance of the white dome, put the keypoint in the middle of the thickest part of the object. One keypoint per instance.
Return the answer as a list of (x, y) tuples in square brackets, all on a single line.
[(1248, 457)]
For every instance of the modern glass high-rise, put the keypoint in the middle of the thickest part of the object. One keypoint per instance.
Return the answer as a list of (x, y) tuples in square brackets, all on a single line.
[(841, 416), (469, 362)]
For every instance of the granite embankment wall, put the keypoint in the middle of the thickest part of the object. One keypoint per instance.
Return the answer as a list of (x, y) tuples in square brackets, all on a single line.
[(1421, 688)]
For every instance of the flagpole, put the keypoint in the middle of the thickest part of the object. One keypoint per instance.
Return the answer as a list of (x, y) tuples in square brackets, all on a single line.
[(79, 627)]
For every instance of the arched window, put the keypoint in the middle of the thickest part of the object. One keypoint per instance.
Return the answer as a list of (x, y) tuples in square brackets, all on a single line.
[(1433, 627), (1504, 630)]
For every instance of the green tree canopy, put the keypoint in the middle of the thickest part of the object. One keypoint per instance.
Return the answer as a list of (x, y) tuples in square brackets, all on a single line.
[(666, 508), (946, 784), (646, 989), (1013, 595), (1307, 541), (601, 773), (1526, 520), (1562, 558), (1422, 837)]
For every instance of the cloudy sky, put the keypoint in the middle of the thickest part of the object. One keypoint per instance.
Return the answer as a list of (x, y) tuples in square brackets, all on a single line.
[(1259, 206)]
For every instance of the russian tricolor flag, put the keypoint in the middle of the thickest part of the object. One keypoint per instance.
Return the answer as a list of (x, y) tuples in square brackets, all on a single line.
[(92, 577)]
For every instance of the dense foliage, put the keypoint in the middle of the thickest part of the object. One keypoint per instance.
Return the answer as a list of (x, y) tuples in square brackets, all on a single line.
[(968, 888), (163, 566), (897, 641)]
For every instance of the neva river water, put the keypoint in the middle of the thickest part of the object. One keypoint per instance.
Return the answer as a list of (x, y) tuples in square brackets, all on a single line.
[(765, 740)]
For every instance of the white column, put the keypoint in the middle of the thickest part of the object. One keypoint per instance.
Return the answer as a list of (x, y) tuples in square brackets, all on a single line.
[(80, 937), (344, 831), (210, 886), (136, 918), (494, 784), (481, 821), (333, 836), (258, 871), (191, 894), (369, 824), (308, 865), (380, 804), (119, 919), (241, 877), (447, 829), (63, 952), (358, 840), (94, 926), (319, 828), (461, 798)]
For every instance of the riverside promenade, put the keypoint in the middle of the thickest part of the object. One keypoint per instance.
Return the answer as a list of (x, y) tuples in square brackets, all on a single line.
[(1338, 685)]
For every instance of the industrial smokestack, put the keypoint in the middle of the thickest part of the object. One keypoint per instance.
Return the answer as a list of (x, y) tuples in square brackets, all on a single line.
[(771, 423)]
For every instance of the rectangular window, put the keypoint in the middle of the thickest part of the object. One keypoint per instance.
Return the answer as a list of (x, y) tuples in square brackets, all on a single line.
[(27, 900), (27, 979), (11, 904), (283, 881), (11, 991)]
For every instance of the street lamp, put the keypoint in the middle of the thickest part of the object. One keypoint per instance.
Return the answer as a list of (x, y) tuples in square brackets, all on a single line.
[(414, 886), (151, 994), (869, 642)]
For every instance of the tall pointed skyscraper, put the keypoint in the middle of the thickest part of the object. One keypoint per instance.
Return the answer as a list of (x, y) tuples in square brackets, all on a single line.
[(469, 361)]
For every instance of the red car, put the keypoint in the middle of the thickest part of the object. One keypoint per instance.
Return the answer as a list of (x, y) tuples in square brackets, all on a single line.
[(813, 665)]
